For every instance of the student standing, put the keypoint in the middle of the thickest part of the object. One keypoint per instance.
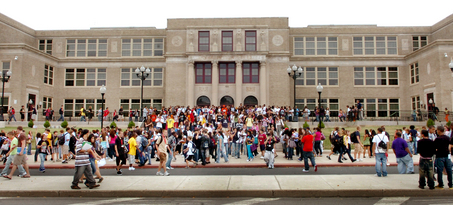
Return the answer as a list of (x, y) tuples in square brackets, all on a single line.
[(426, 149)]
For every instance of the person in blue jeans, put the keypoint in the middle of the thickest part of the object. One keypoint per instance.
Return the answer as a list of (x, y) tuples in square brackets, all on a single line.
[(443, 157), (42, 149), (380, 149), (220, 148)]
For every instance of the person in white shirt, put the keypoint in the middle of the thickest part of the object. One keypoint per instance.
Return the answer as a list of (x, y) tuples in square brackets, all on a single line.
[(380, 150)]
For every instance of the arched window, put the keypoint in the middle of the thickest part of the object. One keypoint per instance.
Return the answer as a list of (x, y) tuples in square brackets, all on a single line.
[(227, 100), (250, 100), (203, 101)]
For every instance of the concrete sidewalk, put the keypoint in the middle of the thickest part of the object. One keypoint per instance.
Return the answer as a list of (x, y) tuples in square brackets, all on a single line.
[(223, 186), (280, 161)]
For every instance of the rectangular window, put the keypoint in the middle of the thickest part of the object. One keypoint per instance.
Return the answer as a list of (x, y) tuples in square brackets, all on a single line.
[(415, 78), (227, 72), (386, 107), (48, 75), (6, 65), (250, 40), (315, 46), (327, 76), (129, 77), (418, 42), (5, 104), (332, 104), (140, 47), (86, 48), (250, 72), (227, 40), (203, 72), (372, 76), (45, 45), (134, 104), (46, 103), (375, 45), (415, 102), (72, 106), (203, 40), (85, 77)]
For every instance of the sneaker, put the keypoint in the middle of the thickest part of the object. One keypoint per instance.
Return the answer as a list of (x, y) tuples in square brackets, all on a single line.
[(439, 187), (300, 159), (94, 186), (303, 170), (316, 168), (261, 157), (328, 157), (75, 187), (159, 174), (172, 168), (119, 173), (132, 169), (388, 163), (377, 175), (248, 160), (167, 174), (168, 167), (421, 187)]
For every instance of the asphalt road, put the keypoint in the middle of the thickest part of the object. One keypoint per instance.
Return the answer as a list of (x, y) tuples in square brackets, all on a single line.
[(226, 171), (232, 201)]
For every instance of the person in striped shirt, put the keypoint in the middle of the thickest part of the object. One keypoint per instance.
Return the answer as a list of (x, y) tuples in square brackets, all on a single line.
[(82, 163)]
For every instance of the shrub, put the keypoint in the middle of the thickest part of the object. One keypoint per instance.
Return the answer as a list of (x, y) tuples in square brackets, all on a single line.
[(47, 124), (30, 124), (113, 125), (64, 124), (131, 124), (448, 123), (430, 122), (321, 125), (306, 125)]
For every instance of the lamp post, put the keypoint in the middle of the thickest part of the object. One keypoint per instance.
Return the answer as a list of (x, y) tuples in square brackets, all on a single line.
[(5, 75), (319, 88), (102, 90), (142, 73), (294, 72)]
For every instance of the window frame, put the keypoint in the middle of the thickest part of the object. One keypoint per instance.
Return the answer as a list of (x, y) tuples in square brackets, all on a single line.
[(46, 102), (415, 102), (414, 72), (227, 71), (50, 74), (301, 81), (204, 44), (76, 71), (419, 41), (86, 50), (133, 76), (366, 40), (246, 41), (76, 103), (367, 70), (250, 72), (147, 45), (303, 46), (311, 103), (45, 43), (377, 111), (204, 76), (227, 44), (132, 102)]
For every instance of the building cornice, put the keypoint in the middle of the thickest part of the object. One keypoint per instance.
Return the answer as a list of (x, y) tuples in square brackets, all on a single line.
[(429, 46), (27, 48)]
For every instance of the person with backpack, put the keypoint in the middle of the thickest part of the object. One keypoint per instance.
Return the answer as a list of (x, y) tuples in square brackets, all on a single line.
[(380, 149), (205, 140), (344, 143), (172, 145), (358, 146), (12, 114), (189, 152), (120, 152), (161, 145)]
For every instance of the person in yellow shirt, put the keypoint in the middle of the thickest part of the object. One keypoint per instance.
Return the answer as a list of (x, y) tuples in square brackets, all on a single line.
[(170, 122), (346, 146), (83, 114), (132, 150), (249, 122)]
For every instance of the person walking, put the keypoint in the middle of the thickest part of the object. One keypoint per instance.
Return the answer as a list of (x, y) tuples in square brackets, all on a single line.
[(43, 150), (380, 149), (11, 154), (161, 144), (120, 152), (443, 145), (426, 149), (61, 112), (82, 163), (403, 155), (20, 158), (307, 141)]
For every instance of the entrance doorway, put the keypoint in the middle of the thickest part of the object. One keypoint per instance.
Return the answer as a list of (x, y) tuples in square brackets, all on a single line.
[(250, 100), (31, 105), (227, 101), (203, 101)]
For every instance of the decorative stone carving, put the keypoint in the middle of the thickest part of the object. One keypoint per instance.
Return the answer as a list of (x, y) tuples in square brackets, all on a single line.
[(263, 41), (59, 47), (277, 40), (203, 89), (114, 48), (239, 40), (176, 41), (191, 48), (345, 44), (405, 44), (250, 89), (214, 40)]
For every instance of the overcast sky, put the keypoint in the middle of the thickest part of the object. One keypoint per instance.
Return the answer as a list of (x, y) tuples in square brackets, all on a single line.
[(83, 14)]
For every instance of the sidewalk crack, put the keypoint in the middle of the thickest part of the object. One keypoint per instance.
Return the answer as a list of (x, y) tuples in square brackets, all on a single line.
[(229, 180), (278, 182), (182, 181)]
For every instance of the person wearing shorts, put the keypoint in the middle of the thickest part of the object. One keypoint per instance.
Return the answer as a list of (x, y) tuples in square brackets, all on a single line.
[(161, 144), (20, 158), (132, 150)]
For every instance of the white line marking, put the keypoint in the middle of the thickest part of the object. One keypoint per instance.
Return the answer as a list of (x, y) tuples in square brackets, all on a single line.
[(392, 201), (252, 201)]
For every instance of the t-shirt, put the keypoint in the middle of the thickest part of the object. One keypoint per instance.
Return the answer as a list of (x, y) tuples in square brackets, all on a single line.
[(14, 142), (399, 147), (132, 146), (190, 145), (43, 145), (441, 143), (119, 143), (249, 122), (378, 138), (67, 138), (426, 148), (318, 136), (162, 144), (170, 123), (270, 144), (307, 140), (262, 138)]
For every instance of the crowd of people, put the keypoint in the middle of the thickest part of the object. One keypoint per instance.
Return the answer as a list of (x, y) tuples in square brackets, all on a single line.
[(208, 134)]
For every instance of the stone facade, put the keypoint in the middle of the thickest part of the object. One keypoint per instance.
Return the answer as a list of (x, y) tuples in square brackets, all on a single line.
[(274, 43)]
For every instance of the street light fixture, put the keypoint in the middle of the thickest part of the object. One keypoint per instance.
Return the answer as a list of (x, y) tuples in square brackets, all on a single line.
[(294, 72), (319, 88), (5, 75), (142, 73), (102, 90)]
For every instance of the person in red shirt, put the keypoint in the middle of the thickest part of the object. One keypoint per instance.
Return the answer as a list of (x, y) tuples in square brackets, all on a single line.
[(307, 141), (261, 139)]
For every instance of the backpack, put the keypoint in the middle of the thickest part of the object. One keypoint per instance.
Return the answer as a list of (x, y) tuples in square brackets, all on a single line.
[(61, 139), (353, 137), (382, 144), (339, 140)]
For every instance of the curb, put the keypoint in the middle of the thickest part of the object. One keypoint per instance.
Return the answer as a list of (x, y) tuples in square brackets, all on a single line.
[(232, 193)]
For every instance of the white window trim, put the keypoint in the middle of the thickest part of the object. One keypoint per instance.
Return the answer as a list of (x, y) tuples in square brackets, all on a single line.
[(415, 75), (316, 46), (419, 42), (48, 75), (365, 106), (86, 48), (144, 104), (153, 49), (133, 76), (375, 77), (85, 84), (374, 46), (316, 77), (45, 46)]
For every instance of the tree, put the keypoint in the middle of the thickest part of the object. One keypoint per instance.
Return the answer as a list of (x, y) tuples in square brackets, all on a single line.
[(113, 125), (30, 124), (131, 124), (64, 124), (430, 123), (47, 124)]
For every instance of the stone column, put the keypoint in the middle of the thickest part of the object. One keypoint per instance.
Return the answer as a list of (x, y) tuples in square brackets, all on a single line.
[(215, 84), (238, 99), (263, 83), (190, 84)]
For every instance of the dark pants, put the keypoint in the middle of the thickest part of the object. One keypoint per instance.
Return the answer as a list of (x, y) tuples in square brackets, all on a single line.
[(318, 147), (425, 169), (93, 165), (343, 149), (442, 163), (111, 151), (309, 155), (83, 170), (141, 155)]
